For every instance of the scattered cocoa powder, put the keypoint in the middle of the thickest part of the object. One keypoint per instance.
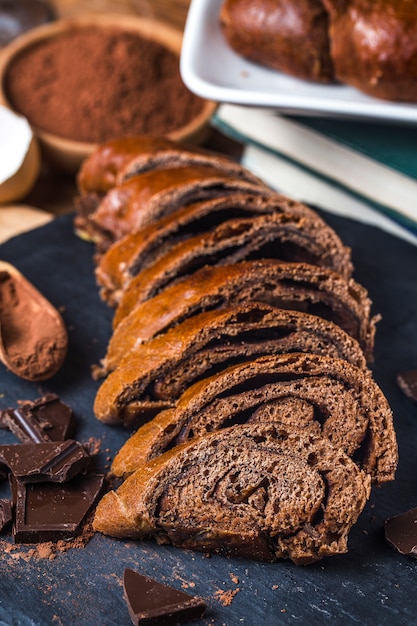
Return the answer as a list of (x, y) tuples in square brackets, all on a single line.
[(226, 597), (93, 84), (48, 550)]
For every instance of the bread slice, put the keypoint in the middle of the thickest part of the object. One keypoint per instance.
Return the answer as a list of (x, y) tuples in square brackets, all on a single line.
[(154, 374), (297, 286), (101, 170), (261, 491), (274, 236), (340, 399), (147, 197), (116, 160), (139, 250)]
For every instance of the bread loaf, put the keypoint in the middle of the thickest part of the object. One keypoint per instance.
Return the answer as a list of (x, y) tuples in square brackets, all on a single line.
[(260, 491), (260, 427), (374, 46), (368, 44), (286, 35)]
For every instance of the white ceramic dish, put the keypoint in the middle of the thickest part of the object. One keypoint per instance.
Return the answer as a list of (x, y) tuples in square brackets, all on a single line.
[(211, 69)]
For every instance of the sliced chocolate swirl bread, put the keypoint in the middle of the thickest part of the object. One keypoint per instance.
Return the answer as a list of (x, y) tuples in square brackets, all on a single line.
[(154, 374), (101, 170), (144, 198), (139, 250), (297, 286), (281, 236), (261, 491), (304, 391), (239, 350), (116, 160)]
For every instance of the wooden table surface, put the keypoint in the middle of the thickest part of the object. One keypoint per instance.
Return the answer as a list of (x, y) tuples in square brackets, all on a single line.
[(54, 192)]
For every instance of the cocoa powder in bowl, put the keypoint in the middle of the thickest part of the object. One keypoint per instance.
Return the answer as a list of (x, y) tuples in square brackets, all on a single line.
[(91, 84)]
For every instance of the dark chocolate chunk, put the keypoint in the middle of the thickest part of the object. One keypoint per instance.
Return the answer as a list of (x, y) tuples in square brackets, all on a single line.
[(45, 419), (401, 532), (23, 425), (40, 462), (55, 417), (52, 511), (408, 384), (154, 604), (5, 514)]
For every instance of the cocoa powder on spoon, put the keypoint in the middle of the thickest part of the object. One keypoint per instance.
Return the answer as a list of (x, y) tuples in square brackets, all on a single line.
[(33, 337)]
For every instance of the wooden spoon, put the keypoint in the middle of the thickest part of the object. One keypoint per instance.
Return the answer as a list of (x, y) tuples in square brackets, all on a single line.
[(33, 336)]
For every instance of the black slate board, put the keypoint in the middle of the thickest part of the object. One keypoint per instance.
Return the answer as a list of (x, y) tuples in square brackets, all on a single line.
[(372, 584)]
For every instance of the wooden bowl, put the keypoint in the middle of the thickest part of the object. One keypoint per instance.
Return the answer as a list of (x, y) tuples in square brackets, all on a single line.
[(66, 154)]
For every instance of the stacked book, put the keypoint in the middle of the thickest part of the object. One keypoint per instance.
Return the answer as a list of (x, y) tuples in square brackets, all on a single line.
[(360, 169)]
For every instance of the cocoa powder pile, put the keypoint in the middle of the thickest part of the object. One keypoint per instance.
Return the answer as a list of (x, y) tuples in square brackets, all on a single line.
[(33, 338), (94, 84)]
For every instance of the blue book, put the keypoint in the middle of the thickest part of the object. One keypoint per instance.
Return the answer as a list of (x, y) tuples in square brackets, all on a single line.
[(374, 162)]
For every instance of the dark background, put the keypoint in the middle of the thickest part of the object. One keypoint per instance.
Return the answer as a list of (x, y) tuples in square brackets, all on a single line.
[(372, 584)]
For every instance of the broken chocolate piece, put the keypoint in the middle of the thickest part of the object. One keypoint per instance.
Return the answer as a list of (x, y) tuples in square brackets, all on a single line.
[(55, 417), (51, 490), (407, 382), (5, 514), (22, 425), (40, 462), (45, 419), (401, 532), (154, 604), (52, 511)]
